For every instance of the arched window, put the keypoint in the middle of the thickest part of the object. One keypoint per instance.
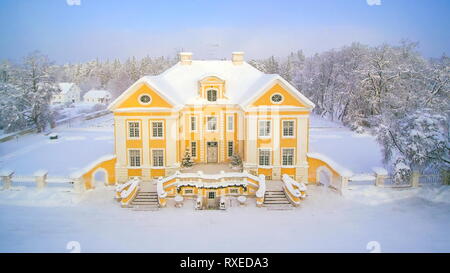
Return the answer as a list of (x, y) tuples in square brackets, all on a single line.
[(211, 95)]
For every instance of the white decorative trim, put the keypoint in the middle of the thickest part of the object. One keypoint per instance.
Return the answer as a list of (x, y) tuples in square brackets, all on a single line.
[(217, 123), (293, 156), (151, 129), (227, 123), (128, 129), (270, 133), (293, 130), (152, 163), (129, 159)]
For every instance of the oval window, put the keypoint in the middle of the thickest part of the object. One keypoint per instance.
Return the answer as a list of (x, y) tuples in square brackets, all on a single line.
[(276, 98), (145, 99)]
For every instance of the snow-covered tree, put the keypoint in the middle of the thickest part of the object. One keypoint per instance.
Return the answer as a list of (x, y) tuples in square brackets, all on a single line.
[(187, 160), (32, 92), (417, 141)]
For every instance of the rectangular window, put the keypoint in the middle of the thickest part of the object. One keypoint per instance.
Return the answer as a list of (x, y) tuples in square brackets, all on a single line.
[(288, 128), (264, 128), (158, 158), (230, 123), (212, 123), (194, 149), (211, 195), (230, 148), (234, 191), (133, 129), (190, 191), (193, 124), (264, 157), (135, 158), (288, 157), (157, 129)]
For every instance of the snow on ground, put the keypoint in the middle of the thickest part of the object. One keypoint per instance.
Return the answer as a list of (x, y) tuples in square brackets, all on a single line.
[(78, 145), (356, 152), (32, 220), (326, 222)]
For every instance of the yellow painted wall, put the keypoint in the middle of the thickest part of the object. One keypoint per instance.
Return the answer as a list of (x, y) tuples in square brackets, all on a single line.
[(133, 99), (277, 88), (314, 164), (108, 166)]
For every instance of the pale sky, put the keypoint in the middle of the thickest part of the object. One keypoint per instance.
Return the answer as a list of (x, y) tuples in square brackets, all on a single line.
[(68, 32)]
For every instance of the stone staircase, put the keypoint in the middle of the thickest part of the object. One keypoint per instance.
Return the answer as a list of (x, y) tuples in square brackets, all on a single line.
[(145, 200), (276, 200)]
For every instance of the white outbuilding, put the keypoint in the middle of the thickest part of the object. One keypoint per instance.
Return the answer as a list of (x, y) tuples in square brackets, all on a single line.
[(69, 93), (97, 96)]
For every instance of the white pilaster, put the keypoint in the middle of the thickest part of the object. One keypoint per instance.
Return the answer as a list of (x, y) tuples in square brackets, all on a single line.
[(145, 142), (171, 142)]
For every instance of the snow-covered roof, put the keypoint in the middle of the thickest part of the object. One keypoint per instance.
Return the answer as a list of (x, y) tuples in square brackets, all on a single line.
[(97, 94), (180, 83), (65, 86)]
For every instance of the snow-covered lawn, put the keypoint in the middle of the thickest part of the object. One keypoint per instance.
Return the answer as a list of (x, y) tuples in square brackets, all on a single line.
[(356, 152), (407, 220), (76, 147), (400, 221)]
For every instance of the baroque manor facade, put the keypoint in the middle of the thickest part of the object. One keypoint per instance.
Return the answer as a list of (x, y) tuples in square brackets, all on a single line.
[(213, 109)]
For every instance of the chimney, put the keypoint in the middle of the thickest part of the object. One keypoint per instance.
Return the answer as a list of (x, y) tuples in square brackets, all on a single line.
[(185, 58), (237, 57)]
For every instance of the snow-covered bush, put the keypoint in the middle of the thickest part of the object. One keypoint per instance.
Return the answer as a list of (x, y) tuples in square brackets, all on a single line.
[(236, 161)]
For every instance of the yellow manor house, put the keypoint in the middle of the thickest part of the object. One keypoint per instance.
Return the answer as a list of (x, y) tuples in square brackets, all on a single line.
[(212, 109)]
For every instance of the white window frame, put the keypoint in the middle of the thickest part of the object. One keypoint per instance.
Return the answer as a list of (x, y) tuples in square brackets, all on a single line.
[(195, 124), (207, 124), (139, 129), (129, 157), (270, 156), (153, 159), (196, 149), (282, 128), (212, 89), (259, 128), (282, 156), (151, 128), (228, 148), (230, 128), (233, 193)]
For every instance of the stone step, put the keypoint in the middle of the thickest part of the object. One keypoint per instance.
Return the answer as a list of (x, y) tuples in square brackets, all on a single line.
[(146, 197), (144, 201), (276, 202)]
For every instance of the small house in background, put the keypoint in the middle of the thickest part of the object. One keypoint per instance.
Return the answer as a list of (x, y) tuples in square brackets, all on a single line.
[(97, 96), (70, 93)]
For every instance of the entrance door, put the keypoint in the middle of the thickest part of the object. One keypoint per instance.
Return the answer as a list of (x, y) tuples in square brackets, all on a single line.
[(211, 200), (212, 152)]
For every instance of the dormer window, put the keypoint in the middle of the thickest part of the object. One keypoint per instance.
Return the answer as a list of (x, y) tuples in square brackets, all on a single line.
[(211, 95)]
